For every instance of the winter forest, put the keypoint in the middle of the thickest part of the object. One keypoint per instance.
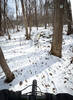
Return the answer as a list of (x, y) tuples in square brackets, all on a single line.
[(36, 42)]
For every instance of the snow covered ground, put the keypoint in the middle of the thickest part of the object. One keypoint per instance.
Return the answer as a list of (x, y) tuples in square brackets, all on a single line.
[(30, 60)]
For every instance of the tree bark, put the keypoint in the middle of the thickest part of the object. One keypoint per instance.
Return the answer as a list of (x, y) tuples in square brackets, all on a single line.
[(56, 48), (9, 75), (25, 20), (4, 16), (0, 20), (16, 13), (30, 24), (36, 20), (69, 12), (46, 13)]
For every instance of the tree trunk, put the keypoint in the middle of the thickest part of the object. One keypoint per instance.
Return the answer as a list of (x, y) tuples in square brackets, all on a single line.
[(16, 13), (9, 75), (56, 48), (25, 20), (41, 11), (46, 13), (0, 20), (69, 12), (26, 6), (30, 17), (4, 16), (36, 20)]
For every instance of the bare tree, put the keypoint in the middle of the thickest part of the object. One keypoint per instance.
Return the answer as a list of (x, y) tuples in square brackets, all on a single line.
[(46, 12), (36, 20), (9, 75), (56, 48), (30, 24), (0, 20), (69, 12), (26, 7), (25, 20), (4, 16), (16, 13), (41, 7)]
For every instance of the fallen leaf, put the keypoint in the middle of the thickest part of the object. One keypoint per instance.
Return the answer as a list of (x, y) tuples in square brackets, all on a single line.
[(26, 81), (20, 83), (50, 74), (65, 81), (43, 76)]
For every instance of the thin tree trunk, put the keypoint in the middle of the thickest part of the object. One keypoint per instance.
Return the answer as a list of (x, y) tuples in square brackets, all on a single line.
[(26, 8), (16, 14), (9, 75), (0, 20), (25, 20), (4, 16), (69, 19), (36, 20), (56, 48), (46, 13), (41, 11), (30, 17), (41, 6)]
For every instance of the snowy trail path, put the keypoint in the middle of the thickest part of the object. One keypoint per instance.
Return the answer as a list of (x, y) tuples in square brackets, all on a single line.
[(29, 61)]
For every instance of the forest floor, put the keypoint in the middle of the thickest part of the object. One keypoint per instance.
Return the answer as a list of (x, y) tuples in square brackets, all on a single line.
[(31, 59)]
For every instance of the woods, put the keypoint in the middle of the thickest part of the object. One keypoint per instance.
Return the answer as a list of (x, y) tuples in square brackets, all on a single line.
[(36, 42)]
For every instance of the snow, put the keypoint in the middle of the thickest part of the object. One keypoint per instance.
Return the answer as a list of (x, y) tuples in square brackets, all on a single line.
[(29, 60)]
